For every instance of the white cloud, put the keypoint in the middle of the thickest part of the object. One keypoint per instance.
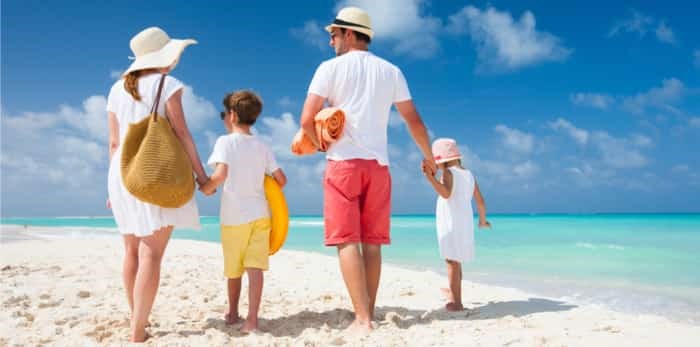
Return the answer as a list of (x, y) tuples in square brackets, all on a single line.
[(665, 34), (279, 132), (115, 74), (65, 151), (637, 23), (312, 34), (579, 135), (618, 153), (679, 169), (285, 102), (641, 24), (694, 122), (401, 22), (601, 101), (515, 139), (641, 140), (664, 97), (526, 169), (504, 43), (198, 110), (92, 118), (395, 120), (211, 138)]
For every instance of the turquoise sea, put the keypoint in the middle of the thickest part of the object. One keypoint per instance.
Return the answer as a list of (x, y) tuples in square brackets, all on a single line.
[(640, 263)]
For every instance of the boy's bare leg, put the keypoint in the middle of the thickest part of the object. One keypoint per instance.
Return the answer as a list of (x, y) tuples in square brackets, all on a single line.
[(255, 282), (372, 256), (353, 269), (454, 276), (234, 293)]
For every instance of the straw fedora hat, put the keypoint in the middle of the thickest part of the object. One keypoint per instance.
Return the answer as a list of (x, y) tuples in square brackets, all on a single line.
[(153, 48), (352, 18)]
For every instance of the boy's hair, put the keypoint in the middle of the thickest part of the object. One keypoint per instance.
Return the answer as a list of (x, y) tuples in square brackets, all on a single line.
[(245, 103)]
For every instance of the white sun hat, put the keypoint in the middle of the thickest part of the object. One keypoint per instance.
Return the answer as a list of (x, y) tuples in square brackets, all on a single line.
[(153, 48), (352, 18)]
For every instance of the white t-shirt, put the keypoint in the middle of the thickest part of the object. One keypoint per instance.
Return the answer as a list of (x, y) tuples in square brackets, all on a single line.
[(364, 86), (243, 195), (129, 110)]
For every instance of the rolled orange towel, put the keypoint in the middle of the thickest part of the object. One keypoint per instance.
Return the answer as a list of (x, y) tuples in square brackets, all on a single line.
[(329, 124)]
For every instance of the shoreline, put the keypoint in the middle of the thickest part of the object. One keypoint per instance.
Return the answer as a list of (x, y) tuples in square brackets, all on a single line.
[(47, 298), (586, 295)]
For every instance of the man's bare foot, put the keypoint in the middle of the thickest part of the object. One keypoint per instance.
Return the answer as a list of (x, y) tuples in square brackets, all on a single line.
[(249, 326), (454, 307), (231, 318), (140, 337)]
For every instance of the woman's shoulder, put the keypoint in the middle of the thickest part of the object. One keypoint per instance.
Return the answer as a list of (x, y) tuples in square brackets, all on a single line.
[(117, 86)]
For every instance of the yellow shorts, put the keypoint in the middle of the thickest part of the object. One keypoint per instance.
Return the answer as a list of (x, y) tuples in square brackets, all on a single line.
[(245, 246)]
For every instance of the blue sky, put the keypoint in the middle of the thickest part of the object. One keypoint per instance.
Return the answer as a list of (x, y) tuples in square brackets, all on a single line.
[(558, 107)]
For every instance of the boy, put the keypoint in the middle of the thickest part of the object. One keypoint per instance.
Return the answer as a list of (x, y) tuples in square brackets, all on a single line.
[(240, 162)]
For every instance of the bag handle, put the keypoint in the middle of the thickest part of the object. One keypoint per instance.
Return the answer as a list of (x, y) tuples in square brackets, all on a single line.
[(154, 108)]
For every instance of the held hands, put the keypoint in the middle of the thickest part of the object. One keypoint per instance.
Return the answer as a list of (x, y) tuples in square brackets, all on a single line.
[(202, 183), (484, 224), (428, 167)]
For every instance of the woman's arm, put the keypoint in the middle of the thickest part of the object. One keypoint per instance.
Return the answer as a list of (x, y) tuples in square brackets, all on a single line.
[(113, 133), (177, 120)]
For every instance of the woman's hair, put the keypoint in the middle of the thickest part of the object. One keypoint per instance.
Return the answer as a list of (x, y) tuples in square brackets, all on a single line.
[(131, 82)]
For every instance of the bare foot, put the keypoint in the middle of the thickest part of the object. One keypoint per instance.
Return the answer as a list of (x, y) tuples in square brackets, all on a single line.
[(140, 337), (454, 307), (359, 329), (249, 326), (231, 318), (446, 294)]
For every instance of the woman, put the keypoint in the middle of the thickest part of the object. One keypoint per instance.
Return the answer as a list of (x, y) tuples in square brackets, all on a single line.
[(146, 228)]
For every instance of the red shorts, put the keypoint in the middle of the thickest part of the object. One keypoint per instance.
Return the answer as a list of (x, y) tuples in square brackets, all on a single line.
[(356, 202)]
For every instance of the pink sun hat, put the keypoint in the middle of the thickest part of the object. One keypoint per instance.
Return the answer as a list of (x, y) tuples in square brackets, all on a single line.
[(444, 150)]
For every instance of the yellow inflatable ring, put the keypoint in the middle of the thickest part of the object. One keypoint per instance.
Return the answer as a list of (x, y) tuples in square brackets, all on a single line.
[(279, 214)]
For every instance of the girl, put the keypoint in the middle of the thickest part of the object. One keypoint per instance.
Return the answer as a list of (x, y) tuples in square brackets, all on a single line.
[(453, 215)]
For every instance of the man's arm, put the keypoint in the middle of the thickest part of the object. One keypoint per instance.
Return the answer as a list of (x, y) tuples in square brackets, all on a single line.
[(312, 105), (417, 129)]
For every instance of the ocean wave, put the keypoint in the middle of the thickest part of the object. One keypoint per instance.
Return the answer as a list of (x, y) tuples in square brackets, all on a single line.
[(305, 223), (599, 246)]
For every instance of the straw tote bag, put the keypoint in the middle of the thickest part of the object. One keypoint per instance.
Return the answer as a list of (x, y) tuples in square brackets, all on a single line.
[(154, 165)]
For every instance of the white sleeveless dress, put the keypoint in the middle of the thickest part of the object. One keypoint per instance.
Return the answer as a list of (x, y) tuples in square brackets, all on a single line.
[(455, 218), (134, 216)]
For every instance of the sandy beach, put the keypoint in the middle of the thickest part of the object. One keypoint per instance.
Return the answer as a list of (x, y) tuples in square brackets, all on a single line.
[(68, 292)]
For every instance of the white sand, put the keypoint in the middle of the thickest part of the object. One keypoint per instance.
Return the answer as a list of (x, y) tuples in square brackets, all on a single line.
[(69, 292)]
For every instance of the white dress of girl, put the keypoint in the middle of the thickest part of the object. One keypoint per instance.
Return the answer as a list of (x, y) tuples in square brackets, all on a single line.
[(132, 215), (455, 219)]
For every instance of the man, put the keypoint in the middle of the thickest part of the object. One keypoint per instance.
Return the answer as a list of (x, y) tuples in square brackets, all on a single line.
[(357, 184)]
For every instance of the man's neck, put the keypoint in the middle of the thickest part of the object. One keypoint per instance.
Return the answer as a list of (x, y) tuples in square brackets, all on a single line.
[(361, 48), (241, 129)]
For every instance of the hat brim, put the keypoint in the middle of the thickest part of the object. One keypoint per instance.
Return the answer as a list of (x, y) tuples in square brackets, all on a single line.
[(444, 160), (365, 31), (164, 57)]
